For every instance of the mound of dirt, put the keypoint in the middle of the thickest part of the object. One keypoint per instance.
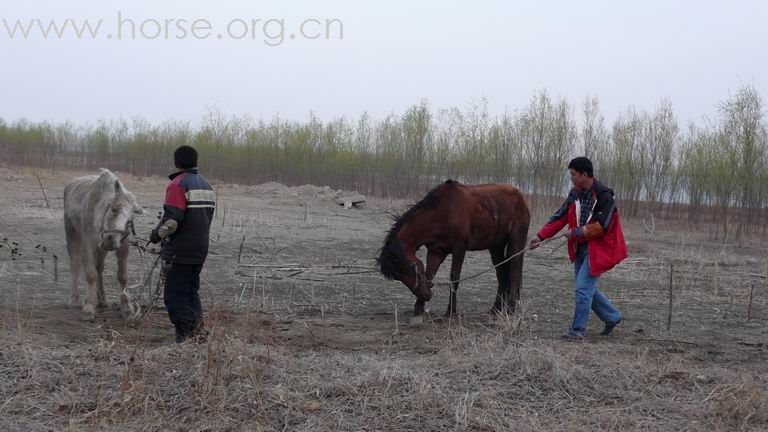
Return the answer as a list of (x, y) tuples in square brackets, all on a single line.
[(306, 193)]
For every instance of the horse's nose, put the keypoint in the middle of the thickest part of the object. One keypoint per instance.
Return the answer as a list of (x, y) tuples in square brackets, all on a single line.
[(425, 293)]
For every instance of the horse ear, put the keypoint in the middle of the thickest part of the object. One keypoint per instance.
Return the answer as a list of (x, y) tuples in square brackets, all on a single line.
[(118, 188)]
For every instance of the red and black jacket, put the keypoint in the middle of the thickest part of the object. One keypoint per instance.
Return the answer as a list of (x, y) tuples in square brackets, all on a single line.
[(602, 231), (190, 201)]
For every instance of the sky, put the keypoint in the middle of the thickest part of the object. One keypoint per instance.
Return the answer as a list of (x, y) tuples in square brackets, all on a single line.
[(377, 57)]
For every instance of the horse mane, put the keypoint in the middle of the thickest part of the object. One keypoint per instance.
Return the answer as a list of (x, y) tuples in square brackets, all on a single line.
[(105, 185), (105, 182), (392, 257)]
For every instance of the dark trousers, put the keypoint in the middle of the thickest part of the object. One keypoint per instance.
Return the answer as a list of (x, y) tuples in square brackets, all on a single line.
[(182, 283)]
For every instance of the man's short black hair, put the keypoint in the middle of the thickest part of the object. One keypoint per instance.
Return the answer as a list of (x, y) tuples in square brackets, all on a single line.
[(582, 165), (185, 157)]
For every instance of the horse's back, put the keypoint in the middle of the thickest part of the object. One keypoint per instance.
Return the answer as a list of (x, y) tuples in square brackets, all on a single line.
[(485, 213), (78, 187), (494, 189), (501, 195)]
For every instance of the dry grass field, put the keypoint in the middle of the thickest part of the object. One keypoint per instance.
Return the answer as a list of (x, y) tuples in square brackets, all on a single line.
[(306, 336)]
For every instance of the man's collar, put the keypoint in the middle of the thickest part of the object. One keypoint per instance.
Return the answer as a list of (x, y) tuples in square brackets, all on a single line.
[(178, 173), (588, 190)]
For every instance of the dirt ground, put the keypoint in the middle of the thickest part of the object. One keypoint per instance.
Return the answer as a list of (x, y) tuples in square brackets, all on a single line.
[(306, 288)]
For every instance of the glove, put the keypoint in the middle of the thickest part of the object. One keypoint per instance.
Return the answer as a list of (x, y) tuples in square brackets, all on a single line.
[(167, 228), (163, 231), (153, 237)]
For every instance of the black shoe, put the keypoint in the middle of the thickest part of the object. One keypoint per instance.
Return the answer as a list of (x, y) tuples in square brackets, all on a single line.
[(183, 335), (609, 328), (573, 337)]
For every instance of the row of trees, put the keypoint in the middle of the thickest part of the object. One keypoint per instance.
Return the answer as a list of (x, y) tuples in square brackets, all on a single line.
[(655, 166)]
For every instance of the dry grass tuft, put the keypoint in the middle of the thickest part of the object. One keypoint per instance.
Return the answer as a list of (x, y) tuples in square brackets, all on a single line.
[(495, 378)]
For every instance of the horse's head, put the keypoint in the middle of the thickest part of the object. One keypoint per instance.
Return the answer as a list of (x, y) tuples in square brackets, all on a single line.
[(117, 222), (394, 264)]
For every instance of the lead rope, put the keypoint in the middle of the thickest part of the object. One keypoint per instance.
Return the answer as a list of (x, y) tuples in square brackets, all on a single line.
[(452, 284)]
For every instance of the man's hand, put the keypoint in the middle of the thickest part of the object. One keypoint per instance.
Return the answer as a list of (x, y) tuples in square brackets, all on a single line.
[(535, 242), (163, 231), (167, 228), (153, 237)]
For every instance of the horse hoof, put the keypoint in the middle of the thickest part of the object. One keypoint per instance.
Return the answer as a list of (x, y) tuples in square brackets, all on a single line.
[(89, 313), (132, 315), (417, 320), (131, 310)]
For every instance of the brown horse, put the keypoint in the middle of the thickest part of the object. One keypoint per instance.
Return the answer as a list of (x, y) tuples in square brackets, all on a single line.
[(452, 219)]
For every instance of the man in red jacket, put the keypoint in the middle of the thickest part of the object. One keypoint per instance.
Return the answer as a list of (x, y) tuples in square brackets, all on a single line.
[(595, 244)]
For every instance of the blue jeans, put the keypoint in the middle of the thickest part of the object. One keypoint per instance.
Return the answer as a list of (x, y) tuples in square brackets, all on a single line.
[(589, 297)]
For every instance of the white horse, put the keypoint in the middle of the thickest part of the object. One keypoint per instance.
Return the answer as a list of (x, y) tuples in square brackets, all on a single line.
[(98, 216)]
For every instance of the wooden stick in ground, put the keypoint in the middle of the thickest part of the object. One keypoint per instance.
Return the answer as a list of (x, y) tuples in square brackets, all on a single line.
[(224, 217), (45, 195), (55, 268), (240, 254), (397, 323), (669, 313), (264, 293), (749, 307), (253, 291)]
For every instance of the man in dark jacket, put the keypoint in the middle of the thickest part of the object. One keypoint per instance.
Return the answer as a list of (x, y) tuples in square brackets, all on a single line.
[(183, 229), (595, 244)]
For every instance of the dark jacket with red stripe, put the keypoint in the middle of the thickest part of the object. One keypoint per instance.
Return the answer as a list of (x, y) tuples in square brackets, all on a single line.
[(190, 201), (602, 231)]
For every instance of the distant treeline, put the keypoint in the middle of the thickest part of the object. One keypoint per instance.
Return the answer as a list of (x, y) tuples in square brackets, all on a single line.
[(714, 172)]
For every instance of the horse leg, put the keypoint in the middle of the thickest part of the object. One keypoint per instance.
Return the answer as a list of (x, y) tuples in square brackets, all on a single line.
[(90, 257), (516, 244), (128, 309), (502, 276), (457, 260), (418, 312), (75, 260), (101, 295), (122, 265), (434, 259)]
